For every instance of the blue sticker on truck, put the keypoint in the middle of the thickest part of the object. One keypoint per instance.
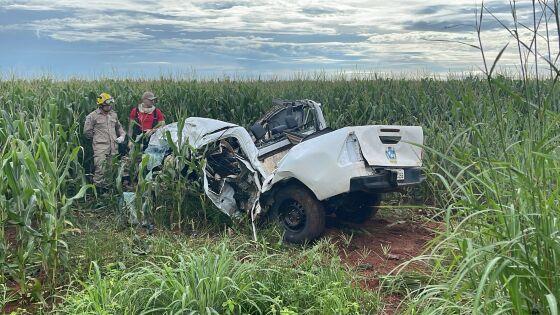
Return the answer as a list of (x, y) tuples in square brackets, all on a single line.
[(391, 154)]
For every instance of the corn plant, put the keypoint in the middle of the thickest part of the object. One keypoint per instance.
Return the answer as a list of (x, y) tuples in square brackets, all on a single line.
[(173, 190), (38, 167), (180, 180)]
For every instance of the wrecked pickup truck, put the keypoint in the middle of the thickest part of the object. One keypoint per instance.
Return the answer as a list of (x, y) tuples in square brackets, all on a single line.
[(291, 166)]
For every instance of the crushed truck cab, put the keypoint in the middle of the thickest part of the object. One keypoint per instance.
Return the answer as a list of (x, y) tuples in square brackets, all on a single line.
[(291, 167)]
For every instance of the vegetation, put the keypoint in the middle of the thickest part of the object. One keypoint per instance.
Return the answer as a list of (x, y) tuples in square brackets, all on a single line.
[(491, 156), (225, 278)]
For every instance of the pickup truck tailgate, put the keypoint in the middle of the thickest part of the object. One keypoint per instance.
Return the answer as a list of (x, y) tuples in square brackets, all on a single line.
[(391, 146)]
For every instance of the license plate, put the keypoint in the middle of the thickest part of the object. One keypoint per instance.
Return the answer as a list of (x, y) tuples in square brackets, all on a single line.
[(400, 174)]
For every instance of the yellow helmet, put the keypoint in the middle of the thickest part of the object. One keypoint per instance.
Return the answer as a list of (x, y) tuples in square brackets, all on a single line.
[(105, 98)]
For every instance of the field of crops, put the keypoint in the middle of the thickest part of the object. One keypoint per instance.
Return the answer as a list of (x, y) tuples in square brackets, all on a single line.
[(492, 165)]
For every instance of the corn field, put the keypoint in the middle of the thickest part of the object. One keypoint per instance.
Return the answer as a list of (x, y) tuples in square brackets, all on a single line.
[(492, 165)]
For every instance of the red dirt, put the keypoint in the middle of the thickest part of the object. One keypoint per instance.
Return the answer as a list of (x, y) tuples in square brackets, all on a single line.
[(19, 307), (10, 235), (378, 246), (13, 305), (22, 305)]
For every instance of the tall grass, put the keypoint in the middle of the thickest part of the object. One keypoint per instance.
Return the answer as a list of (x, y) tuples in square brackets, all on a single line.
[(223, 279), (501, 247)]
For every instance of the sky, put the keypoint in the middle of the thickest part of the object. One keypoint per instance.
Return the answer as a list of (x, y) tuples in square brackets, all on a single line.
[(148, 38)]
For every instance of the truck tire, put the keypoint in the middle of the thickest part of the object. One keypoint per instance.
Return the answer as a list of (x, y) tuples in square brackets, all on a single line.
[(358, 208), (298, 213)]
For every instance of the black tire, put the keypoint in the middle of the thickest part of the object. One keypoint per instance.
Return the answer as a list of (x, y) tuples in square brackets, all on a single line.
[(298, 213), (358, 208)]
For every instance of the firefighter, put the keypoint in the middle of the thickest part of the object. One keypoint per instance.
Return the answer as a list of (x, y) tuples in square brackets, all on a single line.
[(144, 119), (103, 128)]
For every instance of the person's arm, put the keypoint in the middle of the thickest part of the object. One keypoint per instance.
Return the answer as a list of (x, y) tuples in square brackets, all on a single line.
[(88, 127), (121, 136), (160, 124), (119, 129), (161, 119)]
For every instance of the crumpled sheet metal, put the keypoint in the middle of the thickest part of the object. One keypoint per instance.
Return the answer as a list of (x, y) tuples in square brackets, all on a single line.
[(200, 132), (156, 154)]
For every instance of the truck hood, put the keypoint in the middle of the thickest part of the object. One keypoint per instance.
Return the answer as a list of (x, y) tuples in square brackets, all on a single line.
[(198, 132)]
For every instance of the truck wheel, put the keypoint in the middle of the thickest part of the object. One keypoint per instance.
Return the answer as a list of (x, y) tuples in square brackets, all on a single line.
[(359, 208), (299, 214)]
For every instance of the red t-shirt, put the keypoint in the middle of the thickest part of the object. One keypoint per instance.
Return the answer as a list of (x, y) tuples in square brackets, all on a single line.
[(146, 120)]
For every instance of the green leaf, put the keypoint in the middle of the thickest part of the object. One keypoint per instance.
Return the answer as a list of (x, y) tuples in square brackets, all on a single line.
[(497, 59), (552, 304)]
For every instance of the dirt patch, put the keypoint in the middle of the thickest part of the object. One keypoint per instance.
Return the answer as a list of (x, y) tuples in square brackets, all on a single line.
[(10, 237), (378, 246), (16, 303), (20, 307), (10, 234)]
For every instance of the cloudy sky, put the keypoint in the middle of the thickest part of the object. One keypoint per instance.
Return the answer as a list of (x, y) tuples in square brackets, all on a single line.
[(246, 37)]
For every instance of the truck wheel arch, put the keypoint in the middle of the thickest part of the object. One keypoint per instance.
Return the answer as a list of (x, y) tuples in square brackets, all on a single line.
[(267, 198), (301, 223)]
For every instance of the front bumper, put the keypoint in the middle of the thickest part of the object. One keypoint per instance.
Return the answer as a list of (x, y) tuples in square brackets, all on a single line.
[(386, 180)]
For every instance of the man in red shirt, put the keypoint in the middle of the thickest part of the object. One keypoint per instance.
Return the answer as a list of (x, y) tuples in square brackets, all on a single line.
[(145, 119)]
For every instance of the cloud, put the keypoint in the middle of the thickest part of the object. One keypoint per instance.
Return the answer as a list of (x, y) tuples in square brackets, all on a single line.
[(459, 26), (99, 36), (316, 10), (157, 63), (221, 5), (243, 34)]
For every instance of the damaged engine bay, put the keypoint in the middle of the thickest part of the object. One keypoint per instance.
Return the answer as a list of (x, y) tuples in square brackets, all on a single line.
[(230, 178), (228, 154)]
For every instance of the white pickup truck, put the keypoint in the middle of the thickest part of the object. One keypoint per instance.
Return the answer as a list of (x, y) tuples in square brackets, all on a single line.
[(291, 165)]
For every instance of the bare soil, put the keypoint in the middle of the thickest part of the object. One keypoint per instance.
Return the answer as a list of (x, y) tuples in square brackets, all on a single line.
[(22, 305), (10, 235), (375, 248)]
